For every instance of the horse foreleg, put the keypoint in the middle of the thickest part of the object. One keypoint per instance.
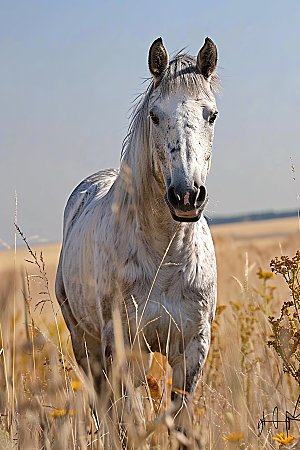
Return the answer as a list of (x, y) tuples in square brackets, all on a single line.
[(187, 369), (85, 348)]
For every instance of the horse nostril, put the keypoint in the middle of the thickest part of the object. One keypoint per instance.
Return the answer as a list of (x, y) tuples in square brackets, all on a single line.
[(202, 194), (173, 197)]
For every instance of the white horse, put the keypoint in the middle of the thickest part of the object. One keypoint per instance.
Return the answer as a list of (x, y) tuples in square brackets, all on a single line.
[(136, 239)]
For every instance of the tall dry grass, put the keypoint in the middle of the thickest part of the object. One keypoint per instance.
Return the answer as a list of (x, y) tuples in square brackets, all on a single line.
[(45, 399)]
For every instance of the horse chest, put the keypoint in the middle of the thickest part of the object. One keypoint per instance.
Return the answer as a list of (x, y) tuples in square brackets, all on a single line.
[(176, 305)]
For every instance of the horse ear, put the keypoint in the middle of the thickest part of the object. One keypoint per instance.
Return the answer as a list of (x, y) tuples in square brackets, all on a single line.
[(207, 58), (158, 59)]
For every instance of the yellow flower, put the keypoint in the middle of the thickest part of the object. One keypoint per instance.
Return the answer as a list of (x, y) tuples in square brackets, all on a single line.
[(220, 309), (76, 385), (58, 413), (233, 437), (199, 411), (283, 438), (264, 275)]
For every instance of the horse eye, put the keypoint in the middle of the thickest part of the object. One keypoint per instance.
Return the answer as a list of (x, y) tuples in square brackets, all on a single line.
[(154, 118), (213, 117)]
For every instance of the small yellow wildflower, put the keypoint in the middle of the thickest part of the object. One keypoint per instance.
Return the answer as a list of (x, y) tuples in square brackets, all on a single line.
[(283, 438), (76, 385), (199, 411), (233, 437), (220, 309), (264, 275), (59, 413)]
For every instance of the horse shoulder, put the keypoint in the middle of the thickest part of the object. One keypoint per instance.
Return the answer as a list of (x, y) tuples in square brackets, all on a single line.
[(98, 185), (77, 271)]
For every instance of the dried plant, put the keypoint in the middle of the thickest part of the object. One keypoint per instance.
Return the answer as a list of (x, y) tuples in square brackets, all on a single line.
[(286, 329)]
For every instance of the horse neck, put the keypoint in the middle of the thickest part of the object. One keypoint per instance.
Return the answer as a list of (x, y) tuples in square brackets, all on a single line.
[(142, 204)]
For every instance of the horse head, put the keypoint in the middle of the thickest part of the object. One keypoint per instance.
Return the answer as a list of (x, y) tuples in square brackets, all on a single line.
[(182, 112)]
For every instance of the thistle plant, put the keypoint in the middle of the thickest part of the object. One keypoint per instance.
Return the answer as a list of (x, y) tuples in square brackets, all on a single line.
[(286, 329)]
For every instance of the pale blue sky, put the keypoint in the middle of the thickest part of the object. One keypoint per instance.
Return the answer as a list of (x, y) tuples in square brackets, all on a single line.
[(70, 70)]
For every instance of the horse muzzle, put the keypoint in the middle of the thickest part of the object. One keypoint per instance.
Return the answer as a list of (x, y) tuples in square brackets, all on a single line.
[(186, 205)]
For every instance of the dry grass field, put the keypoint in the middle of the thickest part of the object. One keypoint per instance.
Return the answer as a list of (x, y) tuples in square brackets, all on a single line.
[(44, 398)]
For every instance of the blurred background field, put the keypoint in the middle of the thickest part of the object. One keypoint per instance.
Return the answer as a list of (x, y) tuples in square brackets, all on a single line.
[(43, 397)]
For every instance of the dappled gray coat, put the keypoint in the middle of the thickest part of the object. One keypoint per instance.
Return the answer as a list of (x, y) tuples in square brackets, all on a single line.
[(136, 239)]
